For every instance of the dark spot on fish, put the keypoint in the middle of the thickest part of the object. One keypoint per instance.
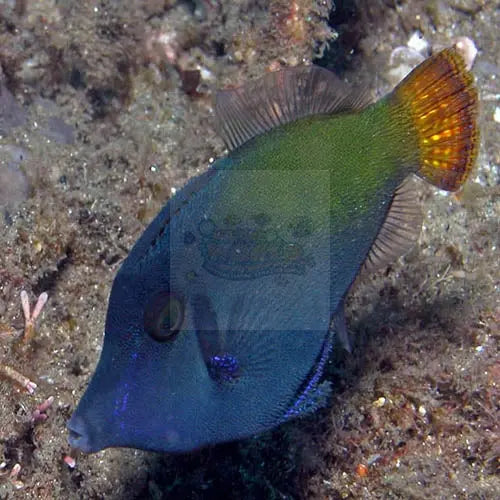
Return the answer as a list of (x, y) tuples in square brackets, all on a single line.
[(191, 275), (206, 227), (232, 220), (262, 219), (302, 227), (189, 238)]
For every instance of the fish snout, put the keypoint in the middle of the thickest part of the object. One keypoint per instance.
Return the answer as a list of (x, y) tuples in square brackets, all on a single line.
[(79, 435)]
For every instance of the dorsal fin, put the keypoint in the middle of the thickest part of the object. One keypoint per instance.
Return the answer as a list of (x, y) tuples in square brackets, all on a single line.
[(400, 230), (281, 97)]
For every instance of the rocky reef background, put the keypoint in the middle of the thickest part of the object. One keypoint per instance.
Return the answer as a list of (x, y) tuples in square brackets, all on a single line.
[(105, 110)]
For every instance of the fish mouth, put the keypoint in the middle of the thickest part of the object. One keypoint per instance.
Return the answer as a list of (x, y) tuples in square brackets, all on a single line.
[(78, 435)]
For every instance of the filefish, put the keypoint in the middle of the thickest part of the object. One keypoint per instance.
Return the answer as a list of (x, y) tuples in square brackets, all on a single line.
[(223, 316)]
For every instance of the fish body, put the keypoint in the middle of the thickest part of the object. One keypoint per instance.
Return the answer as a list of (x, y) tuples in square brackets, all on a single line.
[(222, 317)]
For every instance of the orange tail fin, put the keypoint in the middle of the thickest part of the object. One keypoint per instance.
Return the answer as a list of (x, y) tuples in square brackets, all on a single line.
[(442, 102)]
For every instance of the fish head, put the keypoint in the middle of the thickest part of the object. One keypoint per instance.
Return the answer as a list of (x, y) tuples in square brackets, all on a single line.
[(197, 350)]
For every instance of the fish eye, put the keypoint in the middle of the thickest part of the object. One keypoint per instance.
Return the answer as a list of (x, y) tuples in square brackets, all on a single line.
[(163, 316)]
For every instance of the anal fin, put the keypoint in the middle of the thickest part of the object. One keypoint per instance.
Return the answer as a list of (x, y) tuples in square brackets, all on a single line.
[(340, 328), (400, 230)]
